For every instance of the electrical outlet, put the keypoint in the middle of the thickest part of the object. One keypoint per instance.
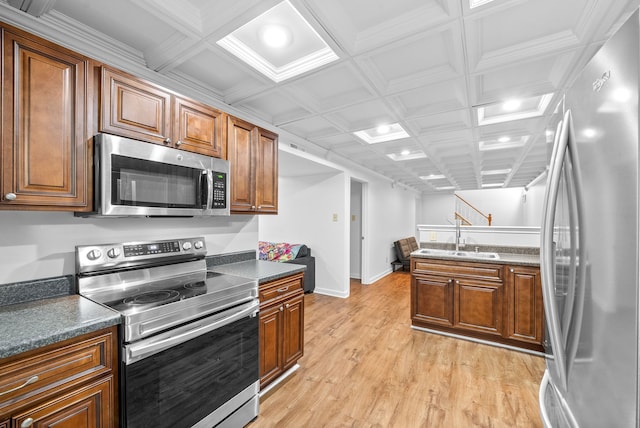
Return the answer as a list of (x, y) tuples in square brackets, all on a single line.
[(335, 217), (433, 236)]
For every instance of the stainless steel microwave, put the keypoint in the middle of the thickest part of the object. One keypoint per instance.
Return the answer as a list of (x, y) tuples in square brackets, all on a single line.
[(140, 179)]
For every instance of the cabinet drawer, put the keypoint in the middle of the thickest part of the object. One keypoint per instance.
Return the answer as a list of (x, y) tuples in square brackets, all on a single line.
[(283, 288), (36, 375), (457, 269)]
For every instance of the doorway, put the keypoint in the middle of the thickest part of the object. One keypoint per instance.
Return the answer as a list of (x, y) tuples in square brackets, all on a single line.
[(356, 230)]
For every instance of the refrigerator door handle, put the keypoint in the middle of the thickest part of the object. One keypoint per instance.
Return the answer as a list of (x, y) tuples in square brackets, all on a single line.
[(580, 259), (547, 254)]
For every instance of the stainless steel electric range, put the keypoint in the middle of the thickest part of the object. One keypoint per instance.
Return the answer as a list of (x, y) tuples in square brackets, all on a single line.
[(189, 338)]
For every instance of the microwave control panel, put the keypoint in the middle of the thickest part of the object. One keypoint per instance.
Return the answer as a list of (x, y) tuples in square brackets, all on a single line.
[(219, 190)]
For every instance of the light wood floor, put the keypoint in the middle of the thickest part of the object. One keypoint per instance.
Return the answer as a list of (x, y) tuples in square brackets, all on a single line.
[(365, 367)]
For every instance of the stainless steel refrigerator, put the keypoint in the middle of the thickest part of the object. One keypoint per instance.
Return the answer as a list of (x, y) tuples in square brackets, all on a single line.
[(589, 245)]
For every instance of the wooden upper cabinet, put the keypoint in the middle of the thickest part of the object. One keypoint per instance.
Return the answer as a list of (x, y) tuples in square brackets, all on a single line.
[(133, 108), (253, 157), (44, 154), (266, 171), (198, 128)]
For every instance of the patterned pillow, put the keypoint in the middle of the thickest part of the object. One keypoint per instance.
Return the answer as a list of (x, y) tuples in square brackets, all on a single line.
[(277, 251)]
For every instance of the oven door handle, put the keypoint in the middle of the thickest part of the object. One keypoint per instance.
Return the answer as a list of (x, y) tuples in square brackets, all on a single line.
[(148, 347)]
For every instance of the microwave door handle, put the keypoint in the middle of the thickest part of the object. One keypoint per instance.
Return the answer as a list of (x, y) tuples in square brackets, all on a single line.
[(206, 188)]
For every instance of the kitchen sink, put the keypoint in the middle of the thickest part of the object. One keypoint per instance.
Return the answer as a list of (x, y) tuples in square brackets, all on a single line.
[(461, 254)]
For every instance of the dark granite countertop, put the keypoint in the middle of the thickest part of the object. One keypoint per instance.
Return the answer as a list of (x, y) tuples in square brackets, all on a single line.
[(42, 312), (31, 325), (260, 270)]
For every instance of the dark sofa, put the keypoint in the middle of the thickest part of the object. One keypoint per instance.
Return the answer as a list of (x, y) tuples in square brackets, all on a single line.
[(298, 254)]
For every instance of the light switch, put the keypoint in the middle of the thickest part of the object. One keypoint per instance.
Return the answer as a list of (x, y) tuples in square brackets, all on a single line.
[(335, 217), (433, 236), (353, 217)]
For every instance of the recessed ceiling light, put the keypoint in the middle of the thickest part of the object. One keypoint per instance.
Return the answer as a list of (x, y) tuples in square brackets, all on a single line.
[(511, 105), (529, 107), (496, 171), (446, 188), (276, 36), (281, 26), (499, 145), (432, 177), (493, 185), (476, 3), (407, 156), (383, 129), (504, 139), (372, 135)]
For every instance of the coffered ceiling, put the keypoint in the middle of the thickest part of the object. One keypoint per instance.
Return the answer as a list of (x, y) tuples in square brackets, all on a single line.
[(427, 65)]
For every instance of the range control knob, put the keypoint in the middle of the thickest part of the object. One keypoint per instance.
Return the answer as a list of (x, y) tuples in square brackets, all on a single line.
[(186, 246), (113, 253), (198, 244), (94, 254)]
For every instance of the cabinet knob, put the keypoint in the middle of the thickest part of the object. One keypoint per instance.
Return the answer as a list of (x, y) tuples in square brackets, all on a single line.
[(27, 423), (167, 140), (178, 143), (281, 308), (511, 270), (10, 196), (253, 207), (287, 305)]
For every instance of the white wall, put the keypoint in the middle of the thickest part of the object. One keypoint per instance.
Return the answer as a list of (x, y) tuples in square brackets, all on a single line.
[(305, 215), (306, 209), (390, 213), (35, 245), (437, 208), (507, 207)]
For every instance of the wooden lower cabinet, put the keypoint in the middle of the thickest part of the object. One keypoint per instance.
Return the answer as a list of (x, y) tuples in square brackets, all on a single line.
[(70, 384), (524, 309), (88, 407), (432, 300), (281, 326), (482, 300), (479, 306)]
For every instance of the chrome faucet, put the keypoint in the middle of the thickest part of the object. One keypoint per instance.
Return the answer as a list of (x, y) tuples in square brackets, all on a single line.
[(458, 221)]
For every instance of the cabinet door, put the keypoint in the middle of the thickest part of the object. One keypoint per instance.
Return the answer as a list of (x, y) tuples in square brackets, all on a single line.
[(267, 172), (198, 128), (241, 162), (88, 407), (271, 366), (432, 300), (479, 306), (293, 335), (44, 151), (133, 108), (4, 424), (524, 309)]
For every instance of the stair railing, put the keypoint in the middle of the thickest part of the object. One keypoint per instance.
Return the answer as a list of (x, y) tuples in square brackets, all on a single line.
[(468, 214)]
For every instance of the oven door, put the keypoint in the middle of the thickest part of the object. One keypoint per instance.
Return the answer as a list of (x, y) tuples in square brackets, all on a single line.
[(199, 374)]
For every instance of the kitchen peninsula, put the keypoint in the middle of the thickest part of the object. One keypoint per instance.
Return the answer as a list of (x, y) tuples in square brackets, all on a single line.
[(491, 297)]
